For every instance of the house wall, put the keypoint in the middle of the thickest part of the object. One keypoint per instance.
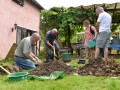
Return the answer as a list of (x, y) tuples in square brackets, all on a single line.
[(27, 16)]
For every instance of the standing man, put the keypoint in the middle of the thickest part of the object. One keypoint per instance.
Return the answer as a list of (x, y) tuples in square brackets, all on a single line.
[(103, 25), (49, 39), (24, 57)]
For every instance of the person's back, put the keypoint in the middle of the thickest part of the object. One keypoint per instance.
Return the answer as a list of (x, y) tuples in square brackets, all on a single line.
[(49, 37), (105, 21), (23, 46), (47, 34)]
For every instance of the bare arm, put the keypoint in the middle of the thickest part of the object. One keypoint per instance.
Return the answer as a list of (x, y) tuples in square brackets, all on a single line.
[(29, 56), (97, 26), (48, 43), (95, 31), (37, 59)]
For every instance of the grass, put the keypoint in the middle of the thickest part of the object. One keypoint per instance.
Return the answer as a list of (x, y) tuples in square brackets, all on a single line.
[(69, 82)]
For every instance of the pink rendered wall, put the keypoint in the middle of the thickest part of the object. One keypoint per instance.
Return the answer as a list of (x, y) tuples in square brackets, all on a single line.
[(27, 16)]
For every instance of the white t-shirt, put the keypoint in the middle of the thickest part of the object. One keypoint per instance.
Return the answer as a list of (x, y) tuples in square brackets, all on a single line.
[(105, 20)]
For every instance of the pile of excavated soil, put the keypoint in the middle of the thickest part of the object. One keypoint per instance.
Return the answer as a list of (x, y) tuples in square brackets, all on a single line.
[(114, 56), (11, 69), (46, 69), (100, 67)]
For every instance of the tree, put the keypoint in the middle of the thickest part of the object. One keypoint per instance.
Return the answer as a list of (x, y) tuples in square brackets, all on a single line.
[(68, 21), (116, 19)]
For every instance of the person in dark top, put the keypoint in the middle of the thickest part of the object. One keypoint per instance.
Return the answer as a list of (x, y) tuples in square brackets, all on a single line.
[(49, 40)]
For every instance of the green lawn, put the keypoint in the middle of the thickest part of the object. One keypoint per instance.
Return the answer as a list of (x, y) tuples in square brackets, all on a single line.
[(69, 82)]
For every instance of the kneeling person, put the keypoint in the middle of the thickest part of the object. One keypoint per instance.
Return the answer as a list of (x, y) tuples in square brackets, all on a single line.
[(24, 57)]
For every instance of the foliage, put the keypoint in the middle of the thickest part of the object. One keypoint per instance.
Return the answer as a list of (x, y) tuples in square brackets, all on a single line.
[(47, 19), (116, 19), (68, 21), (114, 27)]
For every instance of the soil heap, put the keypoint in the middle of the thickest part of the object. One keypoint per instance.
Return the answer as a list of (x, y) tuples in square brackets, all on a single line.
[(45, 69), (100, 67), (11, 69)]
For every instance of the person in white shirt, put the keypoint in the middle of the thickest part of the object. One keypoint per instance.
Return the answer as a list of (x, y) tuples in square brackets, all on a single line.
[(103, 25)]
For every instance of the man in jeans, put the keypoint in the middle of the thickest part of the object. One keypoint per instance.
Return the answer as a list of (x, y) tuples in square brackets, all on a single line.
[(24, 57), (103, 25), (49, 40)]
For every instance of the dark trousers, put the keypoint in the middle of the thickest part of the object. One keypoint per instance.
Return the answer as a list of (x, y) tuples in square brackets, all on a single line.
[(102, 52), (49, 54)]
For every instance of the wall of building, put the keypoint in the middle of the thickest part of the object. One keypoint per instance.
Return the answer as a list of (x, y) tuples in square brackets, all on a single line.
[(27, 16)]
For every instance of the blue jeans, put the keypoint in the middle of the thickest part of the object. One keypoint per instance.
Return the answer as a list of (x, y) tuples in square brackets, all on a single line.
[(24, 63)]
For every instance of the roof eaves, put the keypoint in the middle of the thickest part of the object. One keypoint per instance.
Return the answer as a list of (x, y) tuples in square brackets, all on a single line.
[(36, 4)]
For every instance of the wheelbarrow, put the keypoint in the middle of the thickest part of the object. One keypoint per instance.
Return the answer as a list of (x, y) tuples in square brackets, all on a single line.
[(16, 76)]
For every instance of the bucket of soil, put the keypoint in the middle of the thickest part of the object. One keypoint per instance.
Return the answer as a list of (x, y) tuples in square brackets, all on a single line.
[(17, 76)]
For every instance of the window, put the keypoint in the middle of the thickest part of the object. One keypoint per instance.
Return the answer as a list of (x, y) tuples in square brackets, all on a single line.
[(22, 33), (20, 2)]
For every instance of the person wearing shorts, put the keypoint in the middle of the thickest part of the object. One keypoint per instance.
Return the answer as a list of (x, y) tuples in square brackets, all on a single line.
[(103, 25)]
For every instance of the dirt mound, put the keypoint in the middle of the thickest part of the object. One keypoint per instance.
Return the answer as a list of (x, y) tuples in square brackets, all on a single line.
[(100, 67), (46, 69), (115, 56), (11, 69)]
